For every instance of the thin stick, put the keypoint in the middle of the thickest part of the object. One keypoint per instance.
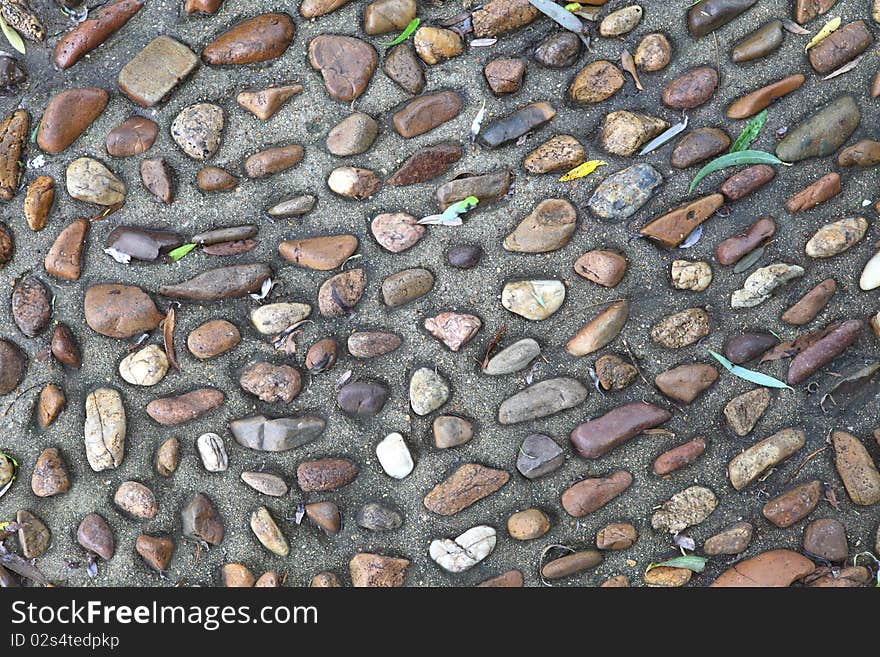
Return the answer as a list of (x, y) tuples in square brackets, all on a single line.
[(805, 461)]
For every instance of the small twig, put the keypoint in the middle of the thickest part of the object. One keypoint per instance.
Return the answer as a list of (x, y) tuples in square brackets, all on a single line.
[(634, 361), (809, 457), (492, 346)]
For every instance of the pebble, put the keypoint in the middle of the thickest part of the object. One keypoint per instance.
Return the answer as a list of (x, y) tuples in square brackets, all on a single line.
[(276, 435), (599, 331), (274, 318), (151, 75), (212, 338), (215, 179), (747, 181), (322, 355), (354, 182), (376, 570), (426, 164), (588, 495), (140, 244), (235, 575), (315, 8), (49, 476), (822, 133), (168, 457), (185, 407), (371, 344), (132, 137), (852, 576), (571, 564), (396, 231), (707, 16), (468, 484), (339, 294), (559, 50), (384, 16), (617, 581), (811, 304), (672, 228), (686, 382), (353, 135), (436, 44), (426, 112), (362, 398), (377, 517), (95, 535), (841, 46), (136, 500), (52, 401), (542, 399), (257, 39), (528, 119), (667, 577), (622, 194), (548, 227), (807, 10), (624, 132), (213, 452), (616, 536), (733, 249), (760, 43), (320, 253), (856, 469), (653, 53), (754, 102), (504, 75), (64, 347), (465, 256), (406, 286), (613, 373), (428, 391), (698, 146), (691, 89), (158, 178), (91, 33), (682, 328), (453, 329), (145, 367), (870, 277), (684, 509), (598, 436), (761, 283), (678, 457), (104, 429), (325, 474), (12, 75), (620, 22), (818, 192), (528, 525), (772, 568), (465, 551), (90, 181), (265, 103), (826, 538), (405, 69), (606, 268), (64, 258), (201, 521), (793, 505), (394, 456), (731, 540), (273, 160), (598, 81), (451, 431), (835, 238), (533, 299), (743, 411), (230, 282), (157, 551), (823, 351), (31, 306), (745, 468), (325, 515), (864, 153), (68, 115), (744, 347), (197, 129), (38, 202), (268, 532), (346, 64), (695, 276), (513, 358), (486, 188), (265, 483), (559, 153), (539, 455), (33, 534), (14, 132)]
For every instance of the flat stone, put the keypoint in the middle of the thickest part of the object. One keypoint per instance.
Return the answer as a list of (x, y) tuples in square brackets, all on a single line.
[(257, 39), (548, 227), (90, 181), (68, 115), (746, 467), (505, 75), (513, 358), (264, 434), (775, 568), (822, 133), (426, 112), (34, 536), (406, 286), (622, 194), (451, 431), (405, 69), (426, 164), (453, 329), (346, 64), (151, 76), (469, 483), (559, 153), (793, 505), (266, 102), (743, 411), (534, 299), (539, 455), (731, 540), (542, 399)]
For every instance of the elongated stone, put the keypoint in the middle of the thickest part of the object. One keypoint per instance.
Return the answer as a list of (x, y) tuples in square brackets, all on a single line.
[(513, 358), (91, 33), (823, 351), (745, 468), (752, 103), (759, 43), (264, 434), (528, 119), (220, 283), (597, 437), (822, 133), (542, 399), (673, 227), (257, 39), (546, 228), (599, 331), (708, 15), (622, 194)]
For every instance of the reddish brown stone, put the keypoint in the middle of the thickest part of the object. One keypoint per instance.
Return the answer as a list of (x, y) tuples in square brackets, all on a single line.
[(257, 39), (91, 33), (65, 255)]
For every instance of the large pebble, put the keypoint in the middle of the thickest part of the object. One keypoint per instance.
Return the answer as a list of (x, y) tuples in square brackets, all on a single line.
[(347, 64), (325, 474), (31, 306), (597, 82), (277, 434), (104, 429), (542, 399), (684, 509), (761, 283), (406, 286), (362, 398), (759, 43), (95, 535), (145, 367), (731, 540), (68, 115), (469, 483), (274, 318), (682, 328), (534, 299), (353, 135), (822, 133), (625, 132), (273, 384), (835, 238), (856, 469), (90, 181), (513, 358), (745, 468), (622, 194), (793, 505), (153, 73), (376, 570), (589, 495), (256, 39), (49, 476), (706, 16), (268, 532), (548, 227), (394, 456), (428, 391), (197, 130), (595, 438), (213, 338), (691, 89), (539, 455), (212, 452), (201, 520), (686, 382), (185, 407), (599, 331), (774, 568), (465, 551), (136, 500), (451, 431)]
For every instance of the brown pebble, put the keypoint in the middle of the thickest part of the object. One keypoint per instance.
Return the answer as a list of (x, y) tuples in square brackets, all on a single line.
[(136, 500), (273, 160), (376, 570), (571, 564), (678, 457), (731, 250), (236, 575), (828, 186), (588, 495), (215, 179), (811, 304), (38, 201), (510, 579), (616, 536), (269, 579), (505, 75), (325, 515), (325, 474), (213, 338), (156, 550), (322, 355), (325, 580), (132, 137), (95, 535), (64, 346), (754, 102), (50, 474), (64, 258), (527, 525), (52, 402), (747, 181), (795, 504), (606, 268), (168, 457), (158, 178)]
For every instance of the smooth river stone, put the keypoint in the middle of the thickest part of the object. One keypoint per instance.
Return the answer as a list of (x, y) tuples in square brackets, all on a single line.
[(384, 16), (528, 119), (272, 318), (759, 43), (673, 227), (362, 398), (405, 69), (346, 64), (132, 137), (428, 391), (64, 258), (91, 33), (542, 399), (486, 187), (353, 135), (811, 304), (822, 133), (745, 468), (120, 311), (534, 299), (394, 456), (754, 102), (513, 358), (698, 146), (708, 15), (320, 253), (775, 568), (686, 382), (539, 455), (257, 39), (691, 89), (598, 81), (561, 152), (588, 495), (839, 47), (406, 286), (90, 181), (622, 194), (605, 268), (396, 231), (426, 112), (598, 436), (151, 76), (599, 331), (68, 115), (468, 484), (625, 132), (183, 408), (559, 50), (264, 434), (547, 228)]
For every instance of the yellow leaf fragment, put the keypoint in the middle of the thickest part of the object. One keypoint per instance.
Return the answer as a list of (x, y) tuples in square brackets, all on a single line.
[(582, 170), (824, 33)]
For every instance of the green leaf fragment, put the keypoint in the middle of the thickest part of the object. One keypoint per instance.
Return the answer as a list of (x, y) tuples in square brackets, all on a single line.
[(690, 562), (180, 251), (733, 160), (572, 6), (749, 133), (757, 378), (403, 36), (12, 36)]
